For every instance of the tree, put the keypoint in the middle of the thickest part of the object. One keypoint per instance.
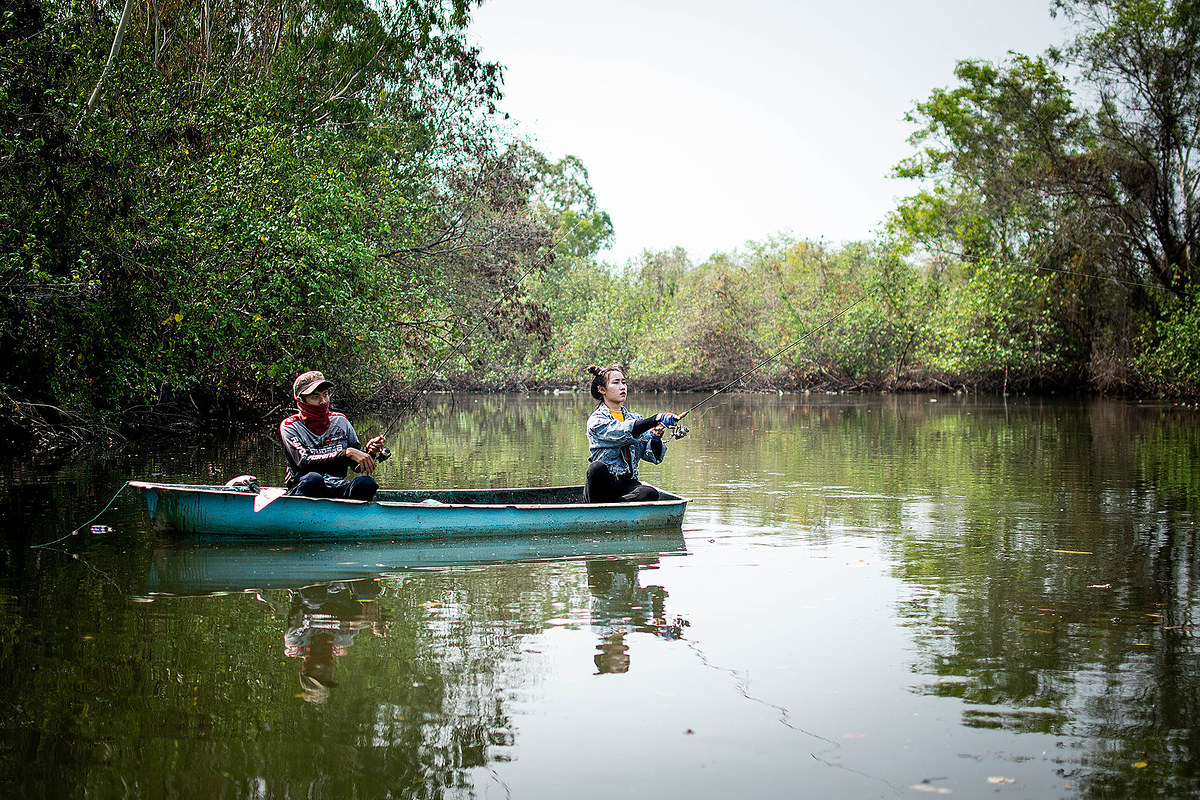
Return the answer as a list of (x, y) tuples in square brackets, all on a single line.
[(992, 150), (564, 200), (999, 320), (1020, 171), (255, 188), (1142, 57), (1095, 188)]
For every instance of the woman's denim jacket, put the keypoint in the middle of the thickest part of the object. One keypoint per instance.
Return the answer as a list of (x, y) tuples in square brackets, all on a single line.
[(613, 443)]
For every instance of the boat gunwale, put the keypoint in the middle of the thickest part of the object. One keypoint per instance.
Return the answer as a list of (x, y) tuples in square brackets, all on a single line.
[(237, 492)]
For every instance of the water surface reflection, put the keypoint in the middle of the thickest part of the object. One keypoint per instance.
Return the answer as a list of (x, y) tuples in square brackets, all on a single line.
[(877, 594)]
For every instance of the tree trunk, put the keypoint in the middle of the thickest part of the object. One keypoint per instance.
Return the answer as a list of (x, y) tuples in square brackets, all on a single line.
[(112, 55)]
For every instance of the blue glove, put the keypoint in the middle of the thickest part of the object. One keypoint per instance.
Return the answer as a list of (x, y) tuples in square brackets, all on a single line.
[(666, 420)]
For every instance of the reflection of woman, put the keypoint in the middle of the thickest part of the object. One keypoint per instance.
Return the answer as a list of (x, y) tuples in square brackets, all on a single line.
[(617, 440), (621, 606)]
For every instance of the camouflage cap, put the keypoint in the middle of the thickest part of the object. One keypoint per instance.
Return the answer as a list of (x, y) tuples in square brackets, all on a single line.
[(310, 382)]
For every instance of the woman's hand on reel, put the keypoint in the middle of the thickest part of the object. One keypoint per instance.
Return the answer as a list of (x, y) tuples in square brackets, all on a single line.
[(668, 421)]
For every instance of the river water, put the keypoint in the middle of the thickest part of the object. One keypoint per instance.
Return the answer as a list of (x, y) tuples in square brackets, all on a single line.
[(870, 597)]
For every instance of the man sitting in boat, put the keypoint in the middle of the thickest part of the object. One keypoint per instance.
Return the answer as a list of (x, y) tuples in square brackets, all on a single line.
[(321, 445)]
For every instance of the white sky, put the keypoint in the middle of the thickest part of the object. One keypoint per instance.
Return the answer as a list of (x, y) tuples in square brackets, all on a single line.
[(707, 123)]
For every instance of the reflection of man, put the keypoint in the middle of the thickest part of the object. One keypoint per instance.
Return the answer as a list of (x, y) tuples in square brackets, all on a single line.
[(322, 623), (621, 606)]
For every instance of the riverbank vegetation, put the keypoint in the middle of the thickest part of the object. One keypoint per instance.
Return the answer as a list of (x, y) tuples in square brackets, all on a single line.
[(202, 199)]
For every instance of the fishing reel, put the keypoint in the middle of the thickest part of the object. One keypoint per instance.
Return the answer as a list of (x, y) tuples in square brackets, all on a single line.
[(384, 454), (676, 427)]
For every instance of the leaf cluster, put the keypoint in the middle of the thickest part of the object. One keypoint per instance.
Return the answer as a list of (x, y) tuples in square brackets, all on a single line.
[(250, 190)]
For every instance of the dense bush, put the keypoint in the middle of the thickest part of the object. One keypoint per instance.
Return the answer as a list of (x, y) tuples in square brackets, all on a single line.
[(201, 204)]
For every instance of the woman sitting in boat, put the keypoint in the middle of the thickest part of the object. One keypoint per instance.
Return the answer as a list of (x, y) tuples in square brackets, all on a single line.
[(617, 440), (321, 445)]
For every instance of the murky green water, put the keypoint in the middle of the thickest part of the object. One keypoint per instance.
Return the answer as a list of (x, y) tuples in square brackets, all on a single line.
[(871, 597)]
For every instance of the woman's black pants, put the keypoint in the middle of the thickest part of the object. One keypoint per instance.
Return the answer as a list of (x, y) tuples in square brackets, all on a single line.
[(602, 486)]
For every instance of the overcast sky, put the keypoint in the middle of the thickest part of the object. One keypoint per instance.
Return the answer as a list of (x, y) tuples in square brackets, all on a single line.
[(707, 123)]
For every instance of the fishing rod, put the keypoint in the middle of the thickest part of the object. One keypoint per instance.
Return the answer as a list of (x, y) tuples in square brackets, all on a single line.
[(679, 430)]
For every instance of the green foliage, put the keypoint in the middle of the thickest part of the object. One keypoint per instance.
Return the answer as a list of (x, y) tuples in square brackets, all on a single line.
[(990, 149), (1000, 319), (1171, 354), (595, 319), (1093, 184), (564, 200), (253, 194), (247, 191), (840, 317), (855, 310), (1141, 58)]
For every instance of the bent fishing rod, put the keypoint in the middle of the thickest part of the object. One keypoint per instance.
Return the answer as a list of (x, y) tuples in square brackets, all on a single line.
[(679, 430)]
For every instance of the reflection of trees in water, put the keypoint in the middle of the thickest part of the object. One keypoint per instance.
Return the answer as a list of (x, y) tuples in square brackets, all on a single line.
[(1033, 644), (460, 433), (428, 704), (968, 496), (193, 697), (1064, 602), (432, 704)]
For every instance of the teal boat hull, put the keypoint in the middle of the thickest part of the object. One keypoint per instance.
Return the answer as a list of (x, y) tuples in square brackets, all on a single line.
[(222, 511)]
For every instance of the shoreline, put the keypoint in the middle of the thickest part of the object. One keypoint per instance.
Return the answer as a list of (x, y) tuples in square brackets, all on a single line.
[(47, 432)]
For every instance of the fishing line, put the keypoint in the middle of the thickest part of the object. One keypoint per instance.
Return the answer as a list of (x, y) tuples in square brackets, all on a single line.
[(86, 524), (780, 352), (92, 567), (424, 387), (742, 687)]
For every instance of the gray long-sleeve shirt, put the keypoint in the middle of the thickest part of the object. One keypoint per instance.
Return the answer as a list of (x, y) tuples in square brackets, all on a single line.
[(309, 452)]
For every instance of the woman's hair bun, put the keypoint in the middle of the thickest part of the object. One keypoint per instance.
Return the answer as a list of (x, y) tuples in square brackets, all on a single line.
[(600, 376)]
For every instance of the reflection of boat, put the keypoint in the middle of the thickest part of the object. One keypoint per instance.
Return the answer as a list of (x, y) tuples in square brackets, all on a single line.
[(187, 567), (233, 511)]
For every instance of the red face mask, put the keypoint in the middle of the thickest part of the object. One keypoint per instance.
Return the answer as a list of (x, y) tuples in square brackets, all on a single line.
[(316, 418)]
